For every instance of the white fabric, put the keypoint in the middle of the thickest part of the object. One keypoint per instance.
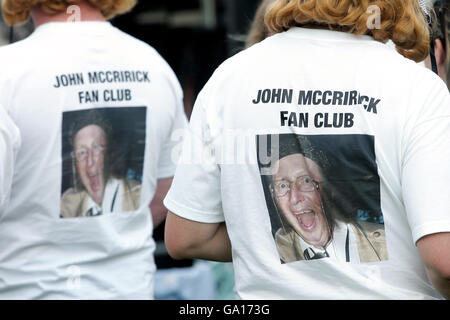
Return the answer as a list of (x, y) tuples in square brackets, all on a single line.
[(9, 146), (412, 147), (43, 256)]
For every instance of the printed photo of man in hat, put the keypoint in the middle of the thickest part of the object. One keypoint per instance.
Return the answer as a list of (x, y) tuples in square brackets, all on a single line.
[(308, 208), (97, 188)]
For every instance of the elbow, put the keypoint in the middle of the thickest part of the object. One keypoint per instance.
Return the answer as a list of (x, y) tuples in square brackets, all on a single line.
[(177, 243), (184, 239), (440, 279), (441, 270), (435, 252), (176, 251)]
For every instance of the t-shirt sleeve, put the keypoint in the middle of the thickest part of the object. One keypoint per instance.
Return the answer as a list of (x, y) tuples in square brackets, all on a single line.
[(426, 166), (196, 190), (9, 146)]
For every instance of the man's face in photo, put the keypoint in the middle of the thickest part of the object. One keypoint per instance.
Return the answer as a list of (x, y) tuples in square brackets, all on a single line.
[(295, 190), (89, 147)]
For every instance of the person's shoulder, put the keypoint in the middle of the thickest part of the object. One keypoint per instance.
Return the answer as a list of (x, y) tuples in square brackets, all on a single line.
[(136, 47), (135, 42), (428, 92), (143, 52), (409, 78), (230, 72), (14, 51), (427, 80), (411, 71), (248, 63), (240, 59)]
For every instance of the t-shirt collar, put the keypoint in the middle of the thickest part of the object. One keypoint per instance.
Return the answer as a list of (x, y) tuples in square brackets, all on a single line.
[(76, 26), (328, 35)]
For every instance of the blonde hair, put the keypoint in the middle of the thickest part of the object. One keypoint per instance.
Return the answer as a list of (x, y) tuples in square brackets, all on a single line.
[(402, 21), (16, 12), (258, 30)]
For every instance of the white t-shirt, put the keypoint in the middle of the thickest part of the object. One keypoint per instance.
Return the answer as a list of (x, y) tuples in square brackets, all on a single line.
[(93, 106), (9, 145), (383, 123)]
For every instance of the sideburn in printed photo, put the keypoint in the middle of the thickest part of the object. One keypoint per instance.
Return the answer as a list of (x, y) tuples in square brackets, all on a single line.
[(323, 197), (103, 156)]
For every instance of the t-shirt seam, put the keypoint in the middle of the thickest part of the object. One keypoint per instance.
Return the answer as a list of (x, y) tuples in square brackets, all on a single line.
[(329, 39), (166, 172), (436, 226), (169, 199)]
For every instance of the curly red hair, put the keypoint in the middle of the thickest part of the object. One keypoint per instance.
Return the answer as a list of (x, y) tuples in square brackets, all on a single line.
[(402, 21), (17, 12)]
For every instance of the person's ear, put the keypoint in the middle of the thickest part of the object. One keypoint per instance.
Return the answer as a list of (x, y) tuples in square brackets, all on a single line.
[(439, 52)]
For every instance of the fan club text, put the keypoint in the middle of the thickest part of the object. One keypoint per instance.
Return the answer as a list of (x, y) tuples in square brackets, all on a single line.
[(318, 98), (102, 77)]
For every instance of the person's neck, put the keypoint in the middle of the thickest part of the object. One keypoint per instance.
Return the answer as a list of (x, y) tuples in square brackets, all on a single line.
[(81, 12)]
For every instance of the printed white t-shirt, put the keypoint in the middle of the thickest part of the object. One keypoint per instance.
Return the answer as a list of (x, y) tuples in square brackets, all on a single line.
[(9, 145), (96, 110), (366, 134)]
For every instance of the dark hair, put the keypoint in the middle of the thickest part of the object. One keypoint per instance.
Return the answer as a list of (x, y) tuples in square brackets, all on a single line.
[(293, 144), (441, 29), (91, 117), (438, 23)]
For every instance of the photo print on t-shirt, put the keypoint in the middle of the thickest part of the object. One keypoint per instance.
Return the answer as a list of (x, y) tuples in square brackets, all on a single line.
[(323, 197), (103, 156)]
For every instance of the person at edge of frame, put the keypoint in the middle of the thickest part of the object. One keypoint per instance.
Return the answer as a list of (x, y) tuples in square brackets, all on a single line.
[(440, 37)]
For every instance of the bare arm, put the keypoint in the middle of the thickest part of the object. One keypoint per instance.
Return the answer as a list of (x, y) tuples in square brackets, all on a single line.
[(157, 207), (186, 239), (435, 252)]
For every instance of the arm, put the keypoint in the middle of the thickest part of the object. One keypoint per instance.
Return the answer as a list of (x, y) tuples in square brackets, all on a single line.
[(435, 252), (188, 239), (157, 207)]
